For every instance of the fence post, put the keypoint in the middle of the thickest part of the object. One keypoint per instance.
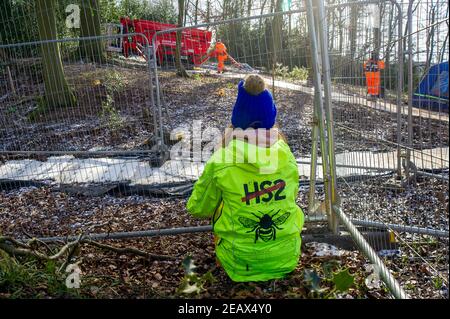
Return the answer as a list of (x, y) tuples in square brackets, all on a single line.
[(328, 154), (399, 88), (322, 23), (388, 279), (151, 74), (319, 110), (312, 207), (164, 151), (410, 90)]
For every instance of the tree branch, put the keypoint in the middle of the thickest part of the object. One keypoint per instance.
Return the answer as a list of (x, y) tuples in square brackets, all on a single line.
[(15, 247), (7, 244)]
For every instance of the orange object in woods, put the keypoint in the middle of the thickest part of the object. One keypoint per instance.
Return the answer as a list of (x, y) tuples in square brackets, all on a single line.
[(373, 76), (220, 52)]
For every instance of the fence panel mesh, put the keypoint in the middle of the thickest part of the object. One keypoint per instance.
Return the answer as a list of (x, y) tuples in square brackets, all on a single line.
[(386, 139)]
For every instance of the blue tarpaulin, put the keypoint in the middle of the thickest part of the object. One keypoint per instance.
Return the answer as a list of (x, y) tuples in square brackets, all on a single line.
[(432, 92)]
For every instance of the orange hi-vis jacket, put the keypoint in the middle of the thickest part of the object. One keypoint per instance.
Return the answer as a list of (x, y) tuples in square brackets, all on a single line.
[(373, 77), (221, 50), (221, 53)]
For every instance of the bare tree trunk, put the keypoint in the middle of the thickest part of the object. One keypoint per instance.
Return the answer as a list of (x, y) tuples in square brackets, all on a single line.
[(196, 12), (180, 68), (389, 45), (91, 50), (5, 27), (208, 11), (377, 35), (235, 11), (225, 9), (57, 91), (353, 32), (341, 32), (430, 36), (277, 33), (405, 32), (444, 48), (186, 6), (332, 29), (263, 5)]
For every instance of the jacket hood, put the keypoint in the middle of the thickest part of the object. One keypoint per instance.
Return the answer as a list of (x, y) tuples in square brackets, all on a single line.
[(260, 151)]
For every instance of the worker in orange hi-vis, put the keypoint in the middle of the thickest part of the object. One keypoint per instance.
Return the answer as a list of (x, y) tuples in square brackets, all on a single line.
[(220, 52), (372, 70)]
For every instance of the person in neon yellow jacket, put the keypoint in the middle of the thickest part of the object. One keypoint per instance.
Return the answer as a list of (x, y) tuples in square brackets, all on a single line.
[(249, 188)]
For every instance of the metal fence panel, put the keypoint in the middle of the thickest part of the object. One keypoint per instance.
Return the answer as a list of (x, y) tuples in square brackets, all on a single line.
[(108, 133), (397, 147)]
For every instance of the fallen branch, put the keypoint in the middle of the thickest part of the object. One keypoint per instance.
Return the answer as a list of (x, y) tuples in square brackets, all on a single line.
[(7, 244), (34, 241), (71, 253), (15, 247), (6, 239), (13, 251), (66, 247)]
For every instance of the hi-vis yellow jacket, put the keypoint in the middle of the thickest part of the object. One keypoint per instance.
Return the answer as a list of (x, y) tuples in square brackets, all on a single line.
[(250, 192)]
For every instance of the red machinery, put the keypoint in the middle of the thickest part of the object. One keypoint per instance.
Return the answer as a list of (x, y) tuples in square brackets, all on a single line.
[(194, 42)]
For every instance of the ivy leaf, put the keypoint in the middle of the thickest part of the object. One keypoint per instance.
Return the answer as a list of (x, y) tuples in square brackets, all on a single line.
[(313, 279), (343, 280), (189, 266)]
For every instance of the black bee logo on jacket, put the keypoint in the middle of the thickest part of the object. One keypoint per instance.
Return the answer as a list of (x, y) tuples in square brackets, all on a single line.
[(266, 227)]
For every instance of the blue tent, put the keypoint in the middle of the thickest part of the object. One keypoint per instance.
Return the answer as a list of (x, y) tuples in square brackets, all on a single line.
[(432, 92)]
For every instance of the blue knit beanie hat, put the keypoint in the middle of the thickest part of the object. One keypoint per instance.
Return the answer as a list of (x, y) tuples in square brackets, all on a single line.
[(257, 110)]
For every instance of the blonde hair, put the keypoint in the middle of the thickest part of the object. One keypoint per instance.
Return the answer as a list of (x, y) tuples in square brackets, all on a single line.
[(226, 139)]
